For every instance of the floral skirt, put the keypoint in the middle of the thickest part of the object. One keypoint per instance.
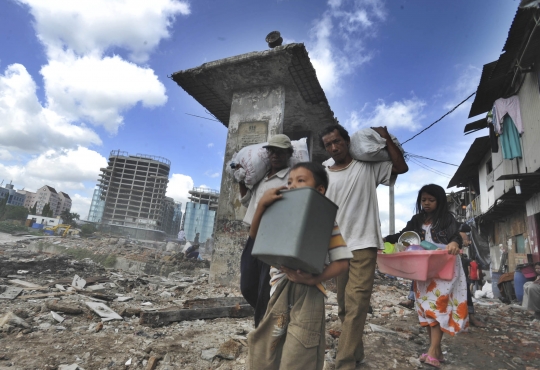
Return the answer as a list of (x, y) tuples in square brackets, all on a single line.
[(444, 302)]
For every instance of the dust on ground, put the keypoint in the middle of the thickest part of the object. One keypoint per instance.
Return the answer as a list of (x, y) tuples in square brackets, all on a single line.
[(31, 338)]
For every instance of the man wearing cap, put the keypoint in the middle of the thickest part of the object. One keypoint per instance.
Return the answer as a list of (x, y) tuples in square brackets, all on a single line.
[(254, 274)]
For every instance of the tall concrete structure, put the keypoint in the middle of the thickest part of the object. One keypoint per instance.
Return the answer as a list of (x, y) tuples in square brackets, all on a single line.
[(201, 213), (172, 217), (30, 198), (133, 189), (13, 197), (256, 96)]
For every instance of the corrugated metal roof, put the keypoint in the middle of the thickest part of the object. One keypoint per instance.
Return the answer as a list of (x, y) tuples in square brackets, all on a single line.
[(475, 126), (523, 46), (468, 169)]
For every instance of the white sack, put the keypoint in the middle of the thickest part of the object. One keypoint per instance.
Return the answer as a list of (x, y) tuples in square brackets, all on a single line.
[(255, 162), (367, 145), (479, 294)]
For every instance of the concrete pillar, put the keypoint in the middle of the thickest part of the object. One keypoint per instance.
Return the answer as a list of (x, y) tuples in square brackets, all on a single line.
[(256, 115)]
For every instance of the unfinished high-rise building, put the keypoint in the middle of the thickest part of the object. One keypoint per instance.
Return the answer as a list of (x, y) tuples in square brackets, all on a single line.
[(201, 213), (133, 190)]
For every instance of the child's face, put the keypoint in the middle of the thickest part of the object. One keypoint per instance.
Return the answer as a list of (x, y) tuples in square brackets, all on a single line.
[(429, 202), (301, 178)]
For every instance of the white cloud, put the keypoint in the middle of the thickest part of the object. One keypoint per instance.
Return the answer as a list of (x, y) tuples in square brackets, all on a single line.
[(178, 187), (91, 27), (466, 83), (399, 114), (210, 145), (338, 39), (64, 170), (26, 125), (99, 89), (212, 174), (81, 205)]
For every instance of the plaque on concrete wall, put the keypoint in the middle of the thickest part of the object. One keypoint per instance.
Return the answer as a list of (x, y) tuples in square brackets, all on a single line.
[(250, 133)]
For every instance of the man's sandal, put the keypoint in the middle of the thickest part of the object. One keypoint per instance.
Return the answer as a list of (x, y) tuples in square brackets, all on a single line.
[(423, 357), (432, 361)]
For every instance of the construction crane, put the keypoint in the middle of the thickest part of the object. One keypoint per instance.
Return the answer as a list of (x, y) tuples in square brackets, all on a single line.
[(54, 228)]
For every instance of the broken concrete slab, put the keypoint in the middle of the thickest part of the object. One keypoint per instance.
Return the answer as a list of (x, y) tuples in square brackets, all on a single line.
[(105, 312), (96, 288), (209, 354), (9, 292), (78, 282), (57, 317), (124, 299)]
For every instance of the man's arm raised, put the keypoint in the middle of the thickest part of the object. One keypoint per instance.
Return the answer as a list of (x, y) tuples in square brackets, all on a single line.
[(399, 165)]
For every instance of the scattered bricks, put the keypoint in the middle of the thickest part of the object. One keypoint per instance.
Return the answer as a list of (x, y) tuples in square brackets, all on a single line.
[(99, 326), (63, 307), (152, 363), (334, 333), (229, 350)]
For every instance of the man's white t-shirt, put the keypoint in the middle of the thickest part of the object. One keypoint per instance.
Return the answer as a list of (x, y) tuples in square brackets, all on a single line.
[(252, 197), (354, 190)]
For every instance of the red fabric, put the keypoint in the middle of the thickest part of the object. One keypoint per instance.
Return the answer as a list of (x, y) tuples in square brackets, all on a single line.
[(474, 270)]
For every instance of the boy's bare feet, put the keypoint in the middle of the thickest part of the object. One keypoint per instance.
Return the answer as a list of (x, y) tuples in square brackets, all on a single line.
[(407, 304)]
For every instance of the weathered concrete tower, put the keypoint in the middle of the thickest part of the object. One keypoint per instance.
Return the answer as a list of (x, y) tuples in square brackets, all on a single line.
[(256, 95)]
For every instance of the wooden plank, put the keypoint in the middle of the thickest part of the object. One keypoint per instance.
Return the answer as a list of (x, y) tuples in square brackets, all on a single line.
[(45, 295), (214, 302), (9, 292), (164, 317), (26, 284), (89, 280)]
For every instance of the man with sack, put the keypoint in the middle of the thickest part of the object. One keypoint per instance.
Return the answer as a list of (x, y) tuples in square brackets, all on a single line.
[(353, 187), (254, 274)]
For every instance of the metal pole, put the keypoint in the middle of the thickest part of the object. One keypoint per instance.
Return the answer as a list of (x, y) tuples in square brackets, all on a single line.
[(392, 226)]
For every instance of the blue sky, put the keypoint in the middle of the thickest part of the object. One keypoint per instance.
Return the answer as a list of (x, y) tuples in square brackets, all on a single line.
[(79, 79)]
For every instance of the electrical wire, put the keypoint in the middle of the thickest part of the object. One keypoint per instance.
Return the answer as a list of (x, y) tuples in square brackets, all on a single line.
[(429, 168), (431, 159), (210, 119), (447, 113)]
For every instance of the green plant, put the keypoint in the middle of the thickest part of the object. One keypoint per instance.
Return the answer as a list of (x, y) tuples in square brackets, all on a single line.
[(87, 229)]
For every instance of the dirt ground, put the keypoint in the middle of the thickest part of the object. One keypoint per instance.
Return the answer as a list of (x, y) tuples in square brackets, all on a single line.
[(35, 340)]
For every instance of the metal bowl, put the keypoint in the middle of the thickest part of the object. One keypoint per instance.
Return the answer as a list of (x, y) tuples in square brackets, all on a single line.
[(409, 237)]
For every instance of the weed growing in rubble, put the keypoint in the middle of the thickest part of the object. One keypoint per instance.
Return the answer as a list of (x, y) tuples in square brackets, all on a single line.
[(106, 260)]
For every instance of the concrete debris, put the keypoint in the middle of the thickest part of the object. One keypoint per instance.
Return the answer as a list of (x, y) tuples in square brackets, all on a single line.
[(78, 282), (139, 272), (9, 292), (70, 367), (10, 319), (103, 311), (57, 317), (128, 362)]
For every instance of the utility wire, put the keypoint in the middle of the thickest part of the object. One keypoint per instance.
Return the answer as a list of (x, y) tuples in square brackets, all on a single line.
[(447, 113), (430, 159), (429, 168), (210, 119)]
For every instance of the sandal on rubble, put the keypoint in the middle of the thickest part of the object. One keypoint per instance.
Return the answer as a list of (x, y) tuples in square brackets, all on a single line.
[(423, 357), (432, 361), (407, 304)]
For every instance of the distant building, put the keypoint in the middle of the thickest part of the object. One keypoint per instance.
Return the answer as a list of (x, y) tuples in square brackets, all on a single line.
[(45, 221), (96, 207), (47, 194), (14, 198), (201, 213), (64, 203), (133, 189), (30, 198), (172, 217)]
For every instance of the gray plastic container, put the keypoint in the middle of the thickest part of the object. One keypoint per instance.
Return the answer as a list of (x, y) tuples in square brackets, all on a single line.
[(295, 231)]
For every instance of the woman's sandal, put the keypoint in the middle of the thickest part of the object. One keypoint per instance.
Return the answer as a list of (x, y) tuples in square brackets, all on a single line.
[(432, 361), (423, 357)]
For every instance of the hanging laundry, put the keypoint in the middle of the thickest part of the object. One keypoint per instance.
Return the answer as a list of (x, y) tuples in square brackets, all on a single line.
[(493, 139), (509, 106), (511, 146)]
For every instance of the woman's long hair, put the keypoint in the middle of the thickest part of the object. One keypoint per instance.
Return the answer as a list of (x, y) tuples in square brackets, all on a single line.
[(441, 217)]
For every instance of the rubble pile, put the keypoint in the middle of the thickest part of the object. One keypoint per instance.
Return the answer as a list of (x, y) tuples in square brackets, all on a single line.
[(60, 312)]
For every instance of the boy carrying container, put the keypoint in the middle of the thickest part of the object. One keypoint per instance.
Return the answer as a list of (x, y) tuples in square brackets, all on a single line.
[(292, 333)]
